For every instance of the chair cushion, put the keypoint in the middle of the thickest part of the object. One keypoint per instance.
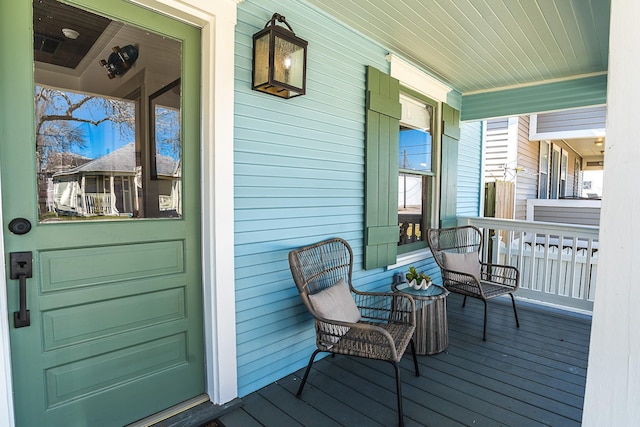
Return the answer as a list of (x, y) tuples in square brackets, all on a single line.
[(336, 303), (465, 263)]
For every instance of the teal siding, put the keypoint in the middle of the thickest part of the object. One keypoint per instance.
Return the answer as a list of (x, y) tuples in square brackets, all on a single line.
[(299, 178), (560, 95), (469, 169)]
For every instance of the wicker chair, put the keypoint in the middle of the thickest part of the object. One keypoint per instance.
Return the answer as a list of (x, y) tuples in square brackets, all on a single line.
[(457, 251), (347, 321)]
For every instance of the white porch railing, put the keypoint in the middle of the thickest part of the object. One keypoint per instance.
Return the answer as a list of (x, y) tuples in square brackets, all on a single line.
[(558, 266), (97, 204)]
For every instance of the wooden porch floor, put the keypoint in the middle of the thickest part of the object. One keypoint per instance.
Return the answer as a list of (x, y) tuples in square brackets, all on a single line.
[(531, 376)]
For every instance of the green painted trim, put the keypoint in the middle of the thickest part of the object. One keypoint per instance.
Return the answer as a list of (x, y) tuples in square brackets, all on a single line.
[(449, 175), (381, 235), (380, 104), (449, 222), (582, 92), (450, 121), (410, 247), (383, 111), (454, 98)]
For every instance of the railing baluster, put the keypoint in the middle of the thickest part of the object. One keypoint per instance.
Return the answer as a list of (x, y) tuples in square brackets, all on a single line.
[(566, 277)]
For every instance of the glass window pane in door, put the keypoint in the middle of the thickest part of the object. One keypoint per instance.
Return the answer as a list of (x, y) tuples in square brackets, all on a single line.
[(100, 153)]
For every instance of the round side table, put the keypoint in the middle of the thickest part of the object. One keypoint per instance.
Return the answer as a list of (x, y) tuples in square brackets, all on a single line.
[(431, 335)]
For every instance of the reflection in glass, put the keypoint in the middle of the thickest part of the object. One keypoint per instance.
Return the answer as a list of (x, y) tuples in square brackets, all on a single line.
[(414, 162), (165, 147), (100, 154), (410, 207), (415, 149)]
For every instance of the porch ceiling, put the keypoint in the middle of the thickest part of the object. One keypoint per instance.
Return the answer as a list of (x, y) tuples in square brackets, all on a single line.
[(485, 45)]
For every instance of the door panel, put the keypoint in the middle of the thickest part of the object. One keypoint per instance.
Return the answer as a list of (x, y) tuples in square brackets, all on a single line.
[(115, 304)]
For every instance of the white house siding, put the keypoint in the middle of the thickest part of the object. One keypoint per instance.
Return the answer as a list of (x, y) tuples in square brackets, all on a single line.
[(579, 119), (299, 179), (527, 176), (469, 169), (496, 148)]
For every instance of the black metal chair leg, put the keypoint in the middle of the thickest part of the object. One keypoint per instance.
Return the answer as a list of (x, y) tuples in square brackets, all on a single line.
[(399, 391), (415, 359), (464, 301), (484, 332), (306, 373), (515, 312)]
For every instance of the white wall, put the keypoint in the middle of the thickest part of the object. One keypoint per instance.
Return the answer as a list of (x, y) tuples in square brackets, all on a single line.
[(613, 377)]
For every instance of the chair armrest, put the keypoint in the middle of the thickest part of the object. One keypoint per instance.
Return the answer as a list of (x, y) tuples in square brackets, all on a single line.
[(357, 339), (386, 307), (458, 279), (505, 275)]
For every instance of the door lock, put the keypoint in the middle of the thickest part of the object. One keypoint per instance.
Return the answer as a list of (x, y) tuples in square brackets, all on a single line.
[(21, 268)]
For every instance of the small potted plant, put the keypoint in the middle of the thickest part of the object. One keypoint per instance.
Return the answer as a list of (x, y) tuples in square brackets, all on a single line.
[(418, 280)]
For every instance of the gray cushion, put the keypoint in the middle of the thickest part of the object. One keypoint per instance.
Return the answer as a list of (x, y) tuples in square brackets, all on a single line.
[(464, 263), (336, 303)]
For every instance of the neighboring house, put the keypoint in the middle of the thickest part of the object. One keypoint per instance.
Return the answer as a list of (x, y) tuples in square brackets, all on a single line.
[(112, 185), (543, 155), (204, 307)]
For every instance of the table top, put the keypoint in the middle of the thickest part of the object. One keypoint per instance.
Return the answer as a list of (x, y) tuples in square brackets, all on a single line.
[(432, 292)]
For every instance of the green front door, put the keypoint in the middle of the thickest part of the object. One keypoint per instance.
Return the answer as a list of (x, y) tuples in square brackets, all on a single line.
[(106, 171)]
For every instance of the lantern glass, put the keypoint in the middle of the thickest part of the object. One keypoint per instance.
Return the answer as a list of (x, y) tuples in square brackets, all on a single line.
[(261, 60), (288, 62)]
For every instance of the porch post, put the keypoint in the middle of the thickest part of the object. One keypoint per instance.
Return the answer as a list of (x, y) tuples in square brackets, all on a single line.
[(612, 394)]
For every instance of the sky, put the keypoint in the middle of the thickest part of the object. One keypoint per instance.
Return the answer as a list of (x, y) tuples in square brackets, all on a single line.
[(108, 136)]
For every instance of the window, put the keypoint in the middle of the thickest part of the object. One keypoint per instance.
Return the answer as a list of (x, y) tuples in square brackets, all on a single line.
[(100, 154), (543, 182), (564, 166), (554, 172), (554, 186), (415, 172), (576, 177), (385, 170)]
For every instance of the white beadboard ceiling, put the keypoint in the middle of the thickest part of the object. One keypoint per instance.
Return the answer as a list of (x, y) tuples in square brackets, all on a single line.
[(482, 45)]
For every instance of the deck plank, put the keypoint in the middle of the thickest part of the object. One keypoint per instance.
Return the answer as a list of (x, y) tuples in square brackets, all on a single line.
[(528, 376)]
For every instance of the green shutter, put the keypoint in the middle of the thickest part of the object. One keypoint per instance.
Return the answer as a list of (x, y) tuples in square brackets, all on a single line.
[(449, 175), (381, 172)]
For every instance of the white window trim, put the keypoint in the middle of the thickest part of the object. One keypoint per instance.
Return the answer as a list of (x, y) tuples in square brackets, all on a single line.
[(412, 77), (555, 185), (547, 144)]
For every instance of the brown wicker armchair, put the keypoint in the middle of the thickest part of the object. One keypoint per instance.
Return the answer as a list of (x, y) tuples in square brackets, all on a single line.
[(457, 251), (347, 321)]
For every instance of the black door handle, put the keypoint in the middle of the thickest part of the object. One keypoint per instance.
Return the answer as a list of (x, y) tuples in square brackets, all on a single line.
[(21, 269)]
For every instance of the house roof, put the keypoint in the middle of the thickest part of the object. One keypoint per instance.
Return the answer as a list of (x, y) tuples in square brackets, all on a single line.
[(477, 46), (123, 160)]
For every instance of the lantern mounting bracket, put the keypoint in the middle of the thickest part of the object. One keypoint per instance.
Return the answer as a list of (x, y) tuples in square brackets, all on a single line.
[(279, 18)]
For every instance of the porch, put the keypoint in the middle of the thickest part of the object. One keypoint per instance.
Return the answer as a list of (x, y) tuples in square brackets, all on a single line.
[(534, 375)]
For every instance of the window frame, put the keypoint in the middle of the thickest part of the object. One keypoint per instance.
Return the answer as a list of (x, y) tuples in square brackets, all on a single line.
[(564, 173), (554, 173), (429, 212), (544, 170)]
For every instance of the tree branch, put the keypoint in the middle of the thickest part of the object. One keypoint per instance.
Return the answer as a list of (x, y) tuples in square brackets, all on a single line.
[(53, 117)]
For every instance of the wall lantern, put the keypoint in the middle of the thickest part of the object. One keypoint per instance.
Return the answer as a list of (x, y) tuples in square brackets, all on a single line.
[(279, 60)]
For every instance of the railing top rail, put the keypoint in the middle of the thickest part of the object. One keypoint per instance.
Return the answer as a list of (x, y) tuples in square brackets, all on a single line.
[(566, 230)]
